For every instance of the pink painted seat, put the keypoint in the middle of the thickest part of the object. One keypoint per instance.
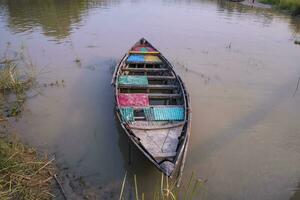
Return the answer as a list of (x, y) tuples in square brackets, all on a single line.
[(133, 100)]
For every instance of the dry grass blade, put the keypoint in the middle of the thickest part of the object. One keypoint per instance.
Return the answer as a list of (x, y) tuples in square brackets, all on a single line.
[(18, 172), (136, 188), (167, 190), (123, 185), (60, 187), (47, 163), (188, 187)]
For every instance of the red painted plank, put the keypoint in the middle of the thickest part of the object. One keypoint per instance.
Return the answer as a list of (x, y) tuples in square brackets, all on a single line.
[(134, 100)]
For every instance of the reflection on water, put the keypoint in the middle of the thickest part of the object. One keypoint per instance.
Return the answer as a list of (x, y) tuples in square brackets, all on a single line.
[(295, 25), (296, 195), (240, 66), (56, 18)]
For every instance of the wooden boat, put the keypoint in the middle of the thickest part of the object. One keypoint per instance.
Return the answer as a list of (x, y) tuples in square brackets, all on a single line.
[(153, 106)]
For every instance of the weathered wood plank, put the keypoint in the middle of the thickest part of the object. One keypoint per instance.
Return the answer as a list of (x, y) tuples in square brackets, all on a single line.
[(144, 52), (164, 96), (130, 69), (153, 78), (154, 125), (159, 141), (161, 87), (161, 155)]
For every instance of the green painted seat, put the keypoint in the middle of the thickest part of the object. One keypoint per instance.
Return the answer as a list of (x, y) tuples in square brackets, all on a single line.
[(127, 114), (133, 80)]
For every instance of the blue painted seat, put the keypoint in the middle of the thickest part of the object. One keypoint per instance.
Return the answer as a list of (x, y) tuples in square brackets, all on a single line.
[(164, 113), (136, 59), (143, 59)]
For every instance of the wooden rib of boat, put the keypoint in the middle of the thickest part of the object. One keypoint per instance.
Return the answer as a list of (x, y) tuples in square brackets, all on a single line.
[(153, 106)]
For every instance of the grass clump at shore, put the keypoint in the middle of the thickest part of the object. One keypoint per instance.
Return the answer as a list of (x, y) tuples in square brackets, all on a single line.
[(292, 5), (16, 77), (23, 174)]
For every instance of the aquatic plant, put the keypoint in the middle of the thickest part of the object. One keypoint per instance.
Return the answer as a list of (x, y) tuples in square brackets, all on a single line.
[(167, 189), (15, 80)]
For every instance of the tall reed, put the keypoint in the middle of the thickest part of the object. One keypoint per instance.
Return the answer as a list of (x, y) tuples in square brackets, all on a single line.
[(193, 189)]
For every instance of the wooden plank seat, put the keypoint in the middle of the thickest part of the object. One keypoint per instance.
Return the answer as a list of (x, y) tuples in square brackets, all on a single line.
[(153, 113), (160, 155), (133, 80), (153, 125), (154, 78), (161, 87), (144, 52), (164, 113), (133, 100), (164, 96), (130, 69), (141, 99), (127, 114), (143, 48), (138, 58), (141, 79)]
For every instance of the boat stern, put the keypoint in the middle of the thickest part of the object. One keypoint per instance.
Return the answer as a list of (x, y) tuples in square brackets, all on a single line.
[(167, 167)]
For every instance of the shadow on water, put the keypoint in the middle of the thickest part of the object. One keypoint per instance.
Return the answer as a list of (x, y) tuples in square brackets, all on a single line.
[(86, 143), (56, 18)]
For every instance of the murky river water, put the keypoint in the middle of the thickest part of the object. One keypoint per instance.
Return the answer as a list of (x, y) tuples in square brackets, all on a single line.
[(242, 71)]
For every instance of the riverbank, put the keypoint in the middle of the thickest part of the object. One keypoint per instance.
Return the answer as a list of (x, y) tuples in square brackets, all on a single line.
[(291, 6), (255, 4), (24, 174)]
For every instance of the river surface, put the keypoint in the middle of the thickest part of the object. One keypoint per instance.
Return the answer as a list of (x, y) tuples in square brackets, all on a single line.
[(240, 65)]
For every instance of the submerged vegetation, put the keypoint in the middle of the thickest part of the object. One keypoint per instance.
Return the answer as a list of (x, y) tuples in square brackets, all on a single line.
[(292, 5), (16, 77), (168, 190)]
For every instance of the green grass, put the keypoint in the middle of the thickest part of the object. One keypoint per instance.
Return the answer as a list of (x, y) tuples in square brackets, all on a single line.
[(292, 5)]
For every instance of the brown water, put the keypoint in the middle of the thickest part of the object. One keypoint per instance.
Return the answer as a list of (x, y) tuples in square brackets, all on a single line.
[(242, 71)]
